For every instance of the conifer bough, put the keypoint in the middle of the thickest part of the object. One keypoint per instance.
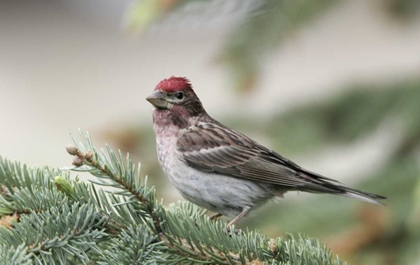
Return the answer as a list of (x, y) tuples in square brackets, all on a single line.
[(62, 220)]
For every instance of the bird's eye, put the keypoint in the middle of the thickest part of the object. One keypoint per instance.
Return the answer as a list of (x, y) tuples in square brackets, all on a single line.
[(180, 95)]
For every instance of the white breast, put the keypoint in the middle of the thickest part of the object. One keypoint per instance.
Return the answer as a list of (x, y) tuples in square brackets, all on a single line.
[(219, 193)]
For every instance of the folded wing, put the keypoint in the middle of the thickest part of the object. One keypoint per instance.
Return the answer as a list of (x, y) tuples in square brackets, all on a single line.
[(215, 148)]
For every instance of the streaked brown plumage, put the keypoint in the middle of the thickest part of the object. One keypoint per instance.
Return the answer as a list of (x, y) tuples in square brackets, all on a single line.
[(221, 169)]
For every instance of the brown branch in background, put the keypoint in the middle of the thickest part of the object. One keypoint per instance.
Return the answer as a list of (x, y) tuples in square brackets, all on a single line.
[(373, 223)]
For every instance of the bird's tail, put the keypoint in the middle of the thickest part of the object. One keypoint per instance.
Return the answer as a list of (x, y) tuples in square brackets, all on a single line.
[(320, 184), (360, 195)]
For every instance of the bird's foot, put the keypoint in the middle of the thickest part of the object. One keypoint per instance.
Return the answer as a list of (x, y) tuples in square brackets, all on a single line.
[(215, 216)]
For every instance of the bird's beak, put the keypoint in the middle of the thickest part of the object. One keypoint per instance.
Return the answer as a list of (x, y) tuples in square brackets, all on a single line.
[(158, 100)]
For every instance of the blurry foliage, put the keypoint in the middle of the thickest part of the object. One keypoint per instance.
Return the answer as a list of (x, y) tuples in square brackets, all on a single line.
[(402, 8), (260, 26), (350, 116), (143, 13), (261, 32), (258, 32)]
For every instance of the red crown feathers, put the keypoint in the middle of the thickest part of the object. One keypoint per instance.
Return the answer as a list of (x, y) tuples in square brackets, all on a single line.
[(173, 84)]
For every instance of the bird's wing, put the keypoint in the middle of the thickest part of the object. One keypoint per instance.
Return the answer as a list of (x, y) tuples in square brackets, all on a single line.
[(213, 147)]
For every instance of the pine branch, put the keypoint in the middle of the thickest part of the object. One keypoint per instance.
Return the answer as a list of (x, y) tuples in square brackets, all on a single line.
[(64, 221), (113, 172)]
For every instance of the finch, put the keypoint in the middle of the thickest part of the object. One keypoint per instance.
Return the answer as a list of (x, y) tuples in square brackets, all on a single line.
[(219, 168)]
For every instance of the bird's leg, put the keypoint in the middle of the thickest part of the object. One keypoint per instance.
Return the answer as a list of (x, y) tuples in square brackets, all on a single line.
[(239, 216), (215, 215)]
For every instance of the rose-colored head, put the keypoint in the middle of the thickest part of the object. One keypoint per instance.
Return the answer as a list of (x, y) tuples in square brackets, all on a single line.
[(174, 97), (173, 84)]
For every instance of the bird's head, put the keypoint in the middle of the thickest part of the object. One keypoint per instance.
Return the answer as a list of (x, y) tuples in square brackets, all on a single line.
[(176, 97)]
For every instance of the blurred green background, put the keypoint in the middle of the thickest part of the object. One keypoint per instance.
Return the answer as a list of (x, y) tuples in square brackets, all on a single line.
[(332, 85)]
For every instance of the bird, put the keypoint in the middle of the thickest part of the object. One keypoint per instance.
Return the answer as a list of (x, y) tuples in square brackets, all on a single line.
[(220, 169)]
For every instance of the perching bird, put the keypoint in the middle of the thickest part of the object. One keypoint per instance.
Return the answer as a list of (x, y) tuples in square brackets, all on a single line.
[(221, 169)]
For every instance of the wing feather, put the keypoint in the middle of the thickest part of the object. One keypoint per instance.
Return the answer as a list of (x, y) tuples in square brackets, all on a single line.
[(215, 148)]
